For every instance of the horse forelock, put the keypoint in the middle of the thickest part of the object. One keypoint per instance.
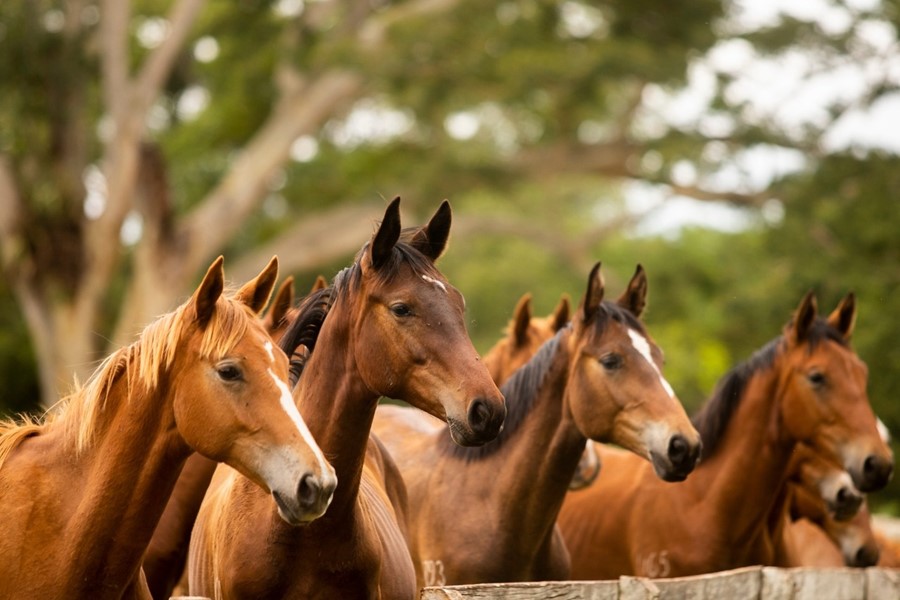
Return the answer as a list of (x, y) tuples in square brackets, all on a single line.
[(520, 390), (403, 253)]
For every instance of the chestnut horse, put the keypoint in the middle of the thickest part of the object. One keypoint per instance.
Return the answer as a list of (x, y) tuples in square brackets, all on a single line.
[(487, 514), (805, 386), (81, 492), (394, 328), (166, 555), (814, 537)]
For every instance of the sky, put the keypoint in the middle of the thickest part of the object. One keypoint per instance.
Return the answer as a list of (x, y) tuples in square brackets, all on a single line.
[(790, 91)]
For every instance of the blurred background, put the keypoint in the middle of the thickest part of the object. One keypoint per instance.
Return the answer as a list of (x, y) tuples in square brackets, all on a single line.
[(743, 151)]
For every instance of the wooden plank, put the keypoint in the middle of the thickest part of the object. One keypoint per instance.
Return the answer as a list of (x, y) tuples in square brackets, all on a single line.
[(737, 584), (551, 590), (814, 584)]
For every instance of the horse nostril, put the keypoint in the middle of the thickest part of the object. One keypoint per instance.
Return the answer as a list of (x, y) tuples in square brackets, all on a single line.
[(484, 420), (876, 473), (678, 449), (866, 557), (309, 492)]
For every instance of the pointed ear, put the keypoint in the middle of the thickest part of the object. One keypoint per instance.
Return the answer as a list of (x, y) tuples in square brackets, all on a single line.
[(320, 284), (387, 235), (284, 299), (560, 317), (256, 292), (521, 320), (843, 318), (431, 240), (594, 294), (635, 297), (206, 295), (804, 317)]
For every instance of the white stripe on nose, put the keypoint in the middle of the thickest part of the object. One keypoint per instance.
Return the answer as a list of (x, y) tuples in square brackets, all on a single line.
[(268, 347), (641, 344), (287, 403)]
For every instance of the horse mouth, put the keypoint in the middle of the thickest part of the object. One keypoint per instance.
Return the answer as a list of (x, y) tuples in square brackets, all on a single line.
[(666, 471), (291, 514), (462, 435)]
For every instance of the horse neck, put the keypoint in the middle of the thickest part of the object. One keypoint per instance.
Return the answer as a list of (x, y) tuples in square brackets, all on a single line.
[(740, 484), (531, 471), (338, 407), (127, 474)]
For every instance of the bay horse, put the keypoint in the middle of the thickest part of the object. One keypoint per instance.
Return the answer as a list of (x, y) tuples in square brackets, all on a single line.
[(806, 385), (524, 335), (394, 327), (82, 491), (166, 555), (487, 514)]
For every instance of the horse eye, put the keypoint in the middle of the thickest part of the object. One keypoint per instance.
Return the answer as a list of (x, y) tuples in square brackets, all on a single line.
[(229, 373), (401, 310), (817, 378), (611, 361)]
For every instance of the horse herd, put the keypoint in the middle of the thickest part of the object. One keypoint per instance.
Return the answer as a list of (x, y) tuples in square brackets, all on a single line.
[(582, 465)]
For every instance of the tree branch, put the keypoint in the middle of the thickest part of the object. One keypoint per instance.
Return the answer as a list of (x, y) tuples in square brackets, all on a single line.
[(213, 222), (313, 241), (116, 15), (158, 65)]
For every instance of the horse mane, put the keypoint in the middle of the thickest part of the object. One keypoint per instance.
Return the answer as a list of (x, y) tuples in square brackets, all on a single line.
[(143, 364), (303, 332), (520, 391), (712, 419), (13, 433)]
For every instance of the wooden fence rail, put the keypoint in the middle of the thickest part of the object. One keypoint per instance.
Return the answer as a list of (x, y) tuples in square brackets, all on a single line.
[(749, 583)]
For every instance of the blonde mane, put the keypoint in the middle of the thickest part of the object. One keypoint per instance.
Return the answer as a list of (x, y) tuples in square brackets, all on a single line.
[(143, 363)]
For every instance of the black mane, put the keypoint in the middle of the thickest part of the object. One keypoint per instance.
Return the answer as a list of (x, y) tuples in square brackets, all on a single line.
[(712, 419)]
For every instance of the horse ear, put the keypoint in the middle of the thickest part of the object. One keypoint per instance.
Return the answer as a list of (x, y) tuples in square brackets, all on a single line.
[(431, 240), (594, 294), (843, 318), (206, 295), (320, 284), (256, 292), (634, 298), (387, 235), (560, 315), (284, 299), (521, 320), (803, 317)]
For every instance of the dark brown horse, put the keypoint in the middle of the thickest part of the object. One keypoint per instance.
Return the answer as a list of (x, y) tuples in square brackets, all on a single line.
[(487, 514), (394, 327), (805, 386), (81, 493)]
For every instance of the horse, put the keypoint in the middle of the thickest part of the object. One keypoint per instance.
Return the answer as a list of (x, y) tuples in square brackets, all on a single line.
[(812, 536), (166, 555), (487, 514), (524, 335), (807, 385), (81, 491), (394, 327)]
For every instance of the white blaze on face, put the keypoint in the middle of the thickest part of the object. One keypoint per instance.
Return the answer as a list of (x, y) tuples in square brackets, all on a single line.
[(268, 347), (641, 344), (434, 281), (287, 403), (883, 430)]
